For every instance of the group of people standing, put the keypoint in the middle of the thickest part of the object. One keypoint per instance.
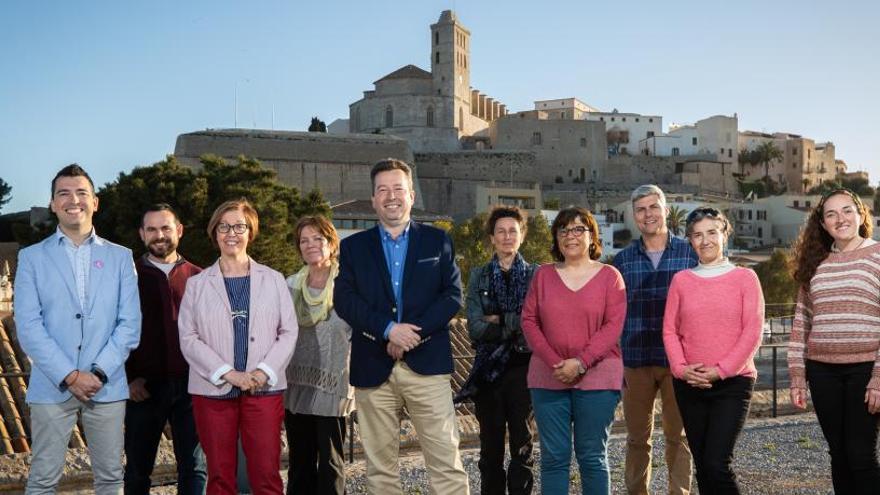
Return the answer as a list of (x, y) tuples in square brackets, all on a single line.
[(228, 354)]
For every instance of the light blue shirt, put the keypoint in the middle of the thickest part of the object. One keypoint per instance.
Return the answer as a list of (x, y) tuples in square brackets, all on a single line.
[(79, 257), (395, 259)]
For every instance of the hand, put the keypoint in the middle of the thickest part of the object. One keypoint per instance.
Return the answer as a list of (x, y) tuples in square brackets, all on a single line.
[(137, 390), (872, 399), (711, 373), (799, 397), (566, 371), (395, 351), (259, 379), (239, 379), (405, 335), (83, 385), (693, 376), (496, 319)]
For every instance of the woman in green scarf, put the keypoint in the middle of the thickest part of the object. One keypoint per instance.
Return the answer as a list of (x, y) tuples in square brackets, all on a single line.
[(318, 396)]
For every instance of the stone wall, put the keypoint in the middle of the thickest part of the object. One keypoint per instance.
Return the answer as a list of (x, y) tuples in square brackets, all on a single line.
[(449, 180), (338, 165)]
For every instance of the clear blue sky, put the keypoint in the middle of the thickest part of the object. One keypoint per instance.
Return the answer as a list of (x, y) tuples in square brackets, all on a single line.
[(111, 84)]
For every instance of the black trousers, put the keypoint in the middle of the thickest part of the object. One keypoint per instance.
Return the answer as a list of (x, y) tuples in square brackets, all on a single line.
[(502, 407), (838, 392), (713, 419), (144, 423), (317, 465)]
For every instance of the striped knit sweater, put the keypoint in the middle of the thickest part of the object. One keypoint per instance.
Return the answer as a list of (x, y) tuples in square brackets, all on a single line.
[(838, 319)]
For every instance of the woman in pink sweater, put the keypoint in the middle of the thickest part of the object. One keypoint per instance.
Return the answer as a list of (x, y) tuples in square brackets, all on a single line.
[(572, 319), (711, 330), (835, 338)]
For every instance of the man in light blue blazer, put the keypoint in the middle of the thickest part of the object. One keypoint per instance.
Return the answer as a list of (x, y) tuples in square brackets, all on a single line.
[(78, 316)]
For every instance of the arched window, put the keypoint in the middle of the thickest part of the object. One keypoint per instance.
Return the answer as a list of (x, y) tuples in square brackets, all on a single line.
[(430, 117), (461, 119), (389, 116)]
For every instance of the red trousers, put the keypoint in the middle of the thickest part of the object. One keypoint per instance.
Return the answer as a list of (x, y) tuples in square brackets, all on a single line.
[(258, 420)]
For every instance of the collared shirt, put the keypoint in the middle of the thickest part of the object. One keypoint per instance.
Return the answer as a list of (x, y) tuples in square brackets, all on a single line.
[(80, 257), (646, 291), (395, 259)]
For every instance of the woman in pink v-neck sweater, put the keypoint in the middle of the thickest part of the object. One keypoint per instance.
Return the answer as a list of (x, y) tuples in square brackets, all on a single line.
[(572, 318)]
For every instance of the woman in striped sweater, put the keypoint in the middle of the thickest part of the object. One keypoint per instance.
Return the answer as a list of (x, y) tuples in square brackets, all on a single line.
[(711, 330), (836, 336)]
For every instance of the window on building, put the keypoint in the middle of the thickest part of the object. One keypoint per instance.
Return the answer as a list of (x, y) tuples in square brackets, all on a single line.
[(430, 117), (436, 57), (436, 38), (722, 151), (569, 172), (796, 203), (675, 152), (730, 153), (794, 151), (461, 119), (623, 119), (809, 154), (637, 119), (583, 142), (760, 232), (694, 141), (679, 168), (650, 133), (602, 119), (807, 203), (562, 115), (389, 116), (750, 214), (536, 138), (612, 119), (583, 175), (650, 120)]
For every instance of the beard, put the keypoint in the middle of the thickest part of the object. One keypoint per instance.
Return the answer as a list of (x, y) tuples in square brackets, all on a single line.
[(160, 249)]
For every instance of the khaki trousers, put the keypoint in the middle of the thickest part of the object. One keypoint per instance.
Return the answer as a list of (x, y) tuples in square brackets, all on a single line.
[(428, 398), (639, 392)]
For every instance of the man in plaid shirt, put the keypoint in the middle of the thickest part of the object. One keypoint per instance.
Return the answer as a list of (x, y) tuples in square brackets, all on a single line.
[(647, 266)]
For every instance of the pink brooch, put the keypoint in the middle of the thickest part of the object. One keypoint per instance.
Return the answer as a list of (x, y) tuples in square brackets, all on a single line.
[(99, 264)]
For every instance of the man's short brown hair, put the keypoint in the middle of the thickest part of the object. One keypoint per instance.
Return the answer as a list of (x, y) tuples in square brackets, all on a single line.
[(390, 164)]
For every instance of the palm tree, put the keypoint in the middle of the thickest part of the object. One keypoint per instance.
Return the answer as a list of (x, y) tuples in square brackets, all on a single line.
[(765, 153), (675, 219)]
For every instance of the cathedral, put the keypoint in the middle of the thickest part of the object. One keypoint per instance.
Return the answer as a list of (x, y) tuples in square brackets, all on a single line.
[(433, 110)]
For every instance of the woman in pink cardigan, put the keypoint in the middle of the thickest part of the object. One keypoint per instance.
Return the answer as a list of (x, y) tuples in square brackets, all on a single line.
[(711, 330), (572, 319), (238, 331)]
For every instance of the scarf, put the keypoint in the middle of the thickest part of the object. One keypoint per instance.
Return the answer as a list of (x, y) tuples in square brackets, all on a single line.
[(311, 310), (509, 295)]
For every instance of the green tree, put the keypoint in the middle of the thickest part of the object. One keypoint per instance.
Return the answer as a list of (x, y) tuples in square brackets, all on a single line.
[(675, 219), (536, 246), (765, 153), (195, 194), (780, 289), (317, 125), (5, 193)]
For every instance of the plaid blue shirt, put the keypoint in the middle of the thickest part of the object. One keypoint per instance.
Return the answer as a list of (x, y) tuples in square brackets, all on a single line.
[(646, 290)]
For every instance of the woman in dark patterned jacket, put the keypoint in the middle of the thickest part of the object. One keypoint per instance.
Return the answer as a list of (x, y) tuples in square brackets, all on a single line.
[(497, 384)]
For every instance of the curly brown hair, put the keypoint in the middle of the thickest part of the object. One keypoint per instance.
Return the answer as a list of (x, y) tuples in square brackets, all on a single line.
[(814, 242)]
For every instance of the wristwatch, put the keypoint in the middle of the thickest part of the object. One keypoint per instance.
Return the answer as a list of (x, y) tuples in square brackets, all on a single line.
[(99, 373)]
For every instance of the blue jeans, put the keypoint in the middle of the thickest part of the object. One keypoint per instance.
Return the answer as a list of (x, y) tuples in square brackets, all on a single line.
[(592, 413), (144, 422)]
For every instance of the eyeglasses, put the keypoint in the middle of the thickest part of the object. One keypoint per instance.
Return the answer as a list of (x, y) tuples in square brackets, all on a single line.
[(238, 228), (574, 231)]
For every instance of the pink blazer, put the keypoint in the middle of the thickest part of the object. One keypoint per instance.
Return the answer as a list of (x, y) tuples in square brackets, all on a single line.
[(206, 334)]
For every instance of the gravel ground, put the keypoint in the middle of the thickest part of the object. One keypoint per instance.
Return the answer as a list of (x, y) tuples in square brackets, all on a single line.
[(773, 456)]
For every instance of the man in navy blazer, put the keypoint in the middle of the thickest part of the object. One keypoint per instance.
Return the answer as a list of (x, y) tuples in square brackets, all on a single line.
[(77, 315), (398, 287)]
